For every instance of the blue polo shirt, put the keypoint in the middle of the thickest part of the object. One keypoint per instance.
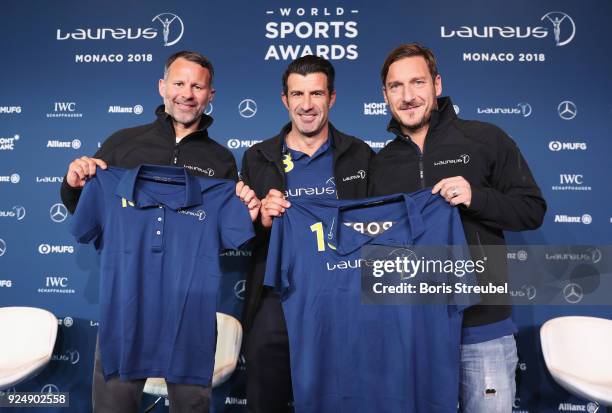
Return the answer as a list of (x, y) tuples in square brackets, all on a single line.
[(159, 232), (347, 356), (310, 176)]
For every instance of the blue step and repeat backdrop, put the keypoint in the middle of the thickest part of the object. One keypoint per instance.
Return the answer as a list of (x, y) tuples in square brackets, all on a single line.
[(73, 72)]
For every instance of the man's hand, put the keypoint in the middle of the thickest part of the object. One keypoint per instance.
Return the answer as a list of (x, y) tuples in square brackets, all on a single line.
[(247, 195), (81, 169), (273, 205), (456, 190)]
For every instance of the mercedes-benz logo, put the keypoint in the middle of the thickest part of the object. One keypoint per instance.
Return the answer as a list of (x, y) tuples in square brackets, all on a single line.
[(247, 108), (58, 213), (573, 293), (567, 110), (50, 389), (556, 18), (2, 247), (240, 289), (166, 19)]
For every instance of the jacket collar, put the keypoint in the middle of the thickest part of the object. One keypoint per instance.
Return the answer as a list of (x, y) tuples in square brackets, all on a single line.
[(166, 121), (273, 149), (126, 188), (440, 116)]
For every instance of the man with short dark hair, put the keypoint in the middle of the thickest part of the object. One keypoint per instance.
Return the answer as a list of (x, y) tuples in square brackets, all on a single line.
[(177, 137), (477, 167), (308, 158)]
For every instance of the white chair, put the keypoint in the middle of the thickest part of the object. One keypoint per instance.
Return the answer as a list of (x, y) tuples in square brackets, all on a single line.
[(578, 355), (27, 339), (229, 339)]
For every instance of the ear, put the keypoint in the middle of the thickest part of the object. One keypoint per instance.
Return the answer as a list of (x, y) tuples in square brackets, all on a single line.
[(212, 94), (284, 99), (162, 88), (332, 99), (438, 85)]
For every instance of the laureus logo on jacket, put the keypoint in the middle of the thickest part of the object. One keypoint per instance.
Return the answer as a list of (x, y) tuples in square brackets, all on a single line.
[(461, 159)]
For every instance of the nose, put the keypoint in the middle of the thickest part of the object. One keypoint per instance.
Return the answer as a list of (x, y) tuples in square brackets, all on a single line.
[(186, 92), (407, 93), (306, 102)]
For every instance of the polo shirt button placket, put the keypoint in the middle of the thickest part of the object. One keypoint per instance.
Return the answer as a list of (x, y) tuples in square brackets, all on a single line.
[(158, 228)]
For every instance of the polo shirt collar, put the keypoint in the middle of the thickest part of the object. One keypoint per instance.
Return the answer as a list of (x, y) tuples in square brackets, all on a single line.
[(126, 188), (345, 240)]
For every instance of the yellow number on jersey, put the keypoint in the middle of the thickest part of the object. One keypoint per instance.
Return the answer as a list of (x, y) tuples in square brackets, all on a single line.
[(288, 163)]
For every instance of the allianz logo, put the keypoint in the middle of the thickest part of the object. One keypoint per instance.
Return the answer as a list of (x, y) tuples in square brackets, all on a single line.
[(54, 143), (572, 219), (464, 159), (137, 109), (377, 145), (8, 143), (570, 407), (235, 401), (523, 109), (199, 214), (361, 174)]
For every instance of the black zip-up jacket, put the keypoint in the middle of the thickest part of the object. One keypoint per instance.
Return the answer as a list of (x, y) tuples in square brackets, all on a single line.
[(155, 144), (505, 197), (262, 170)]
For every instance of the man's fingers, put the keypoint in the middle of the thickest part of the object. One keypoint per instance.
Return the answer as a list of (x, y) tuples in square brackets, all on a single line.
[(100, 163)]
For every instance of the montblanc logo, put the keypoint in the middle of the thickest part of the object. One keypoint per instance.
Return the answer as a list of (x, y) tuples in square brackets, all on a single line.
[(573, 219), (556, 146), (377, 145), (571, 182), (136, 109), (360, 174), (563, 28), (239, 143), (8, 143), (64, 110), (10, 109), (18, 212), (199, 214), (464, 159), (59, 144), (46, 249), (375, 108), (203, 171), (522, 109), (13, 178), (172, 29)]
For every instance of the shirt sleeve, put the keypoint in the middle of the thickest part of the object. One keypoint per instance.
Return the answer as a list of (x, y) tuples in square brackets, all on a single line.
[(87, 222), (235, 225), (278, 262)]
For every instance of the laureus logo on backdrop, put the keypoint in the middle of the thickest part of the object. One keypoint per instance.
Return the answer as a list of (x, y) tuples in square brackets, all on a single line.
[(557, 25), (328, 32), (168, 28), (522, 109)]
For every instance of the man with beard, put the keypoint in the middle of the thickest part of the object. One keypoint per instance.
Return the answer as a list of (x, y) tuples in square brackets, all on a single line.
[(178, 137), (477, 167), (308, 158)]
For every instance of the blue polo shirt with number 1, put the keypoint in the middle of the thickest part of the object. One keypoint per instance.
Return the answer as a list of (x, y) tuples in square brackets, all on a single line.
[(159, 232)]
